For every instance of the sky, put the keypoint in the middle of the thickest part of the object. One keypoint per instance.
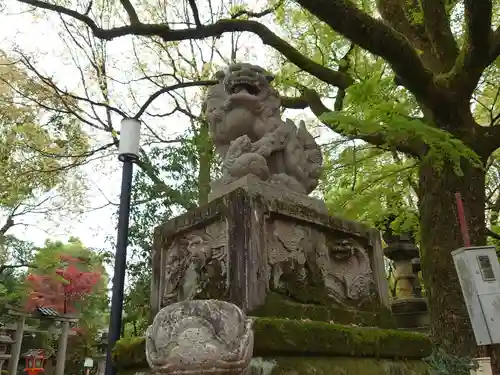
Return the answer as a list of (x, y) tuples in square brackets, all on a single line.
[(40, 37), (19, 30)]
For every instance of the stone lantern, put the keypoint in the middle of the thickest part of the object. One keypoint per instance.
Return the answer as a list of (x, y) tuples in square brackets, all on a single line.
[(5, 342), (101, 346), (408, 307)]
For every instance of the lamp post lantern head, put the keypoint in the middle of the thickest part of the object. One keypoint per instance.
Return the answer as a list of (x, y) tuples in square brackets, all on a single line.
[(130, 133)]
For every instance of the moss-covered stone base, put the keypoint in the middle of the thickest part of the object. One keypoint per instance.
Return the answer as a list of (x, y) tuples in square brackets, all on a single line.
[(335, 366), (277, 306), (325, 344), (324, 366)]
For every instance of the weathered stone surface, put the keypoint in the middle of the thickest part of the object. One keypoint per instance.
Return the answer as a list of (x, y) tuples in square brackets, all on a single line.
[(200, 337), (312, 266), (254, 186), (196, 264), (339, 345), (244, 116), (247, 243), (326, 366)]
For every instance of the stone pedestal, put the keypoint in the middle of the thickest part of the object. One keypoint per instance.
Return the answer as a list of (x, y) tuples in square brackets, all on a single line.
[(258, 241), (408, 307)]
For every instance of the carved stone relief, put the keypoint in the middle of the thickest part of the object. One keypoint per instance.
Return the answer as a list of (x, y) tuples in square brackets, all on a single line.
[(306, 264), (196, 265), (200, 337), (309, 266)]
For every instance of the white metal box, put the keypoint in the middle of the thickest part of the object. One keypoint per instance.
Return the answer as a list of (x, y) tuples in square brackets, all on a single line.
[(479, 274)]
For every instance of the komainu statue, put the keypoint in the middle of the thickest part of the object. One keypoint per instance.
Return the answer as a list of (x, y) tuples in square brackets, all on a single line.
[(200, 337), (243, 111)]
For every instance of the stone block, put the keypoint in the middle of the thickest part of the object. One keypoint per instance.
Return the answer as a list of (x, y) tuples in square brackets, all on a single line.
[(257, 239)]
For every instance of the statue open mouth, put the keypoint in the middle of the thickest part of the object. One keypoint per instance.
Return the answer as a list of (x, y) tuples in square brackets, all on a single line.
[(244, 86)]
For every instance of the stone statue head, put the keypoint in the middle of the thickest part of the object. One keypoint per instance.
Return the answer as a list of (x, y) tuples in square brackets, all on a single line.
[(246, 85)]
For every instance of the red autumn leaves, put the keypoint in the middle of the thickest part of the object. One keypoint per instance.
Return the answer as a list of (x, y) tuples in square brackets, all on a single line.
[(63, 289)]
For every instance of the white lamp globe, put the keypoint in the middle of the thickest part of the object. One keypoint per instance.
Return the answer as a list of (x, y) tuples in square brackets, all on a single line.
[(130, 134)]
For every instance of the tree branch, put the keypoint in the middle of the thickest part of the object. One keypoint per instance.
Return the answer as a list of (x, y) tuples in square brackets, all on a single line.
[(344, 66), (495, 45), (216, 29), (488, 139), (166, 89), (9, 223), (378, 38), (478, 26), (196, 13), (492, 234), (395, 13), (437, 26), (311, 99), (475, 53), (132, 14), (260, 14)]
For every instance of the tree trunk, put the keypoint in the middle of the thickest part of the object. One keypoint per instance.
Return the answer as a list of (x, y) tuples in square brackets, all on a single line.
[(440, 235)]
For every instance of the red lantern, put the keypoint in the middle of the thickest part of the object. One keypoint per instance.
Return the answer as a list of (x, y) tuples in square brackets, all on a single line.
[(35, 360)]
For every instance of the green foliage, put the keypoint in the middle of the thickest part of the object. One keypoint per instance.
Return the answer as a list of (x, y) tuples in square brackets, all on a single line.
[(37, 146), (397, 129), (442, 363), (368, 184)]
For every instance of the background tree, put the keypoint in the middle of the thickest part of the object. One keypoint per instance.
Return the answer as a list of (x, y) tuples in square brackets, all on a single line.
[(40, 151)]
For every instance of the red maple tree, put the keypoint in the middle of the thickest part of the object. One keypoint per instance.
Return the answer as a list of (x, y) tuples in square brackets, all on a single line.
[(62, 289)]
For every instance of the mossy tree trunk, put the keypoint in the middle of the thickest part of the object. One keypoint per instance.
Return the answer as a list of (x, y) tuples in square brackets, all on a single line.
[(441, 234)]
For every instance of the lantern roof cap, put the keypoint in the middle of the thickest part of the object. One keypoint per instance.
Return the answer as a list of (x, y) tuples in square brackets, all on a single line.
[(34, 352), (5, 339), (47, 311)]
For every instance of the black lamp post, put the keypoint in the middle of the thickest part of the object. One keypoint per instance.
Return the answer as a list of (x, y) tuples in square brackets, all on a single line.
[(128, 153)]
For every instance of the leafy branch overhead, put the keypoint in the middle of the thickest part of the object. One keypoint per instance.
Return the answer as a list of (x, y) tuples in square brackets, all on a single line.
[(422, 51)]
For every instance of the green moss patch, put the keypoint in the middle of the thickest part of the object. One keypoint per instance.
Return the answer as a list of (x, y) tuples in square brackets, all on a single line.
[(323, 366), (295, 338), (130, 353), (335, 366), (277, 306)]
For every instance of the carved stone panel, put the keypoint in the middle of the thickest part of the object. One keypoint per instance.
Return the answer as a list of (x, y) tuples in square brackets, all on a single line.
[(309, 265), (196, 265), (245, 244)]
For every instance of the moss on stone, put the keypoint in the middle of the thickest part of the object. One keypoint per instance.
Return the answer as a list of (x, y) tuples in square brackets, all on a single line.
[(295, 338), (130, 353), (323, 366), (336, 366), (277, 306)]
